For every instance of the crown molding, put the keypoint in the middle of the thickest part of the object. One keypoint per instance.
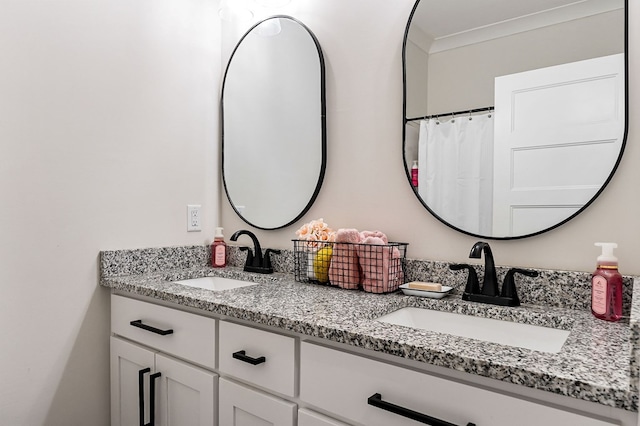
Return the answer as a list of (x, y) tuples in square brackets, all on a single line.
[(578, 10)]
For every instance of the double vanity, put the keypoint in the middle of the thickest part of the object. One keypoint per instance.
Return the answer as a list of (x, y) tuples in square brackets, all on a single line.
[(238, 348), (193, 345)]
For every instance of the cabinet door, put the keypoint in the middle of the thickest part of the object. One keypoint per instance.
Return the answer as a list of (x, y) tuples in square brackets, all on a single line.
[(242, 406), (126, 362), (311, 418), (186, 394)]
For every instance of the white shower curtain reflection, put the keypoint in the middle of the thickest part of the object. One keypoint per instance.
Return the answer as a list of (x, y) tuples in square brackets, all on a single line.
[(455, 159)]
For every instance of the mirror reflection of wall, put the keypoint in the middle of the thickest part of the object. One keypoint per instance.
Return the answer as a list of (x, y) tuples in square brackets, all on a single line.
[(452, 68), (273, 145)]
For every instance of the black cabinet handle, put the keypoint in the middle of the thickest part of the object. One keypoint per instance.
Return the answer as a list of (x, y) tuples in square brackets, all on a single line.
[(141, 374), (139, 324), (376, 401), (242, 356), (152, 399)]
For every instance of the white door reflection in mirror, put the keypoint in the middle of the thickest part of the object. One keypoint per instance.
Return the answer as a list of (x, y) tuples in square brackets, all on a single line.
[(558, 135)]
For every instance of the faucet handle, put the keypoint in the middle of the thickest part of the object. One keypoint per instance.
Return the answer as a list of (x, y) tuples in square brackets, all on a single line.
[(267, 258), (509, 284), (249, 260), (473, 286)]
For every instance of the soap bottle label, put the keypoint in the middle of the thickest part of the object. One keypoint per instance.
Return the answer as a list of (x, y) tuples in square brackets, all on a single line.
[(599, 295), (220, 255)]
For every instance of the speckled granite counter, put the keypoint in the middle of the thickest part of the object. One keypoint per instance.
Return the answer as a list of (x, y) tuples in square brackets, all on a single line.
[(598, 362)]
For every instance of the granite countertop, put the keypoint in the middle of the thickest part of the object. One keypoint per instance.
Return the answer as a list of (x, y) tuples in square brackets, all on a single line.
[(597, 363)]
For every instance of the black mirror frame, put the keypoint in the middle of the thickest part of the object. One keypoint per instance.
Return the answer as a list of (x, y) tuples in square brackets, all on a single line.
[(323, 123)]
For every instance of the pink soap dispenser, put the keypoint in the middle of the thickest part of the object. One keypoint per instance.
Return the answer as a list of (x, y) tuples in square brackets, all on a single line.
[(606, 285), (414, 174), (219, 250)]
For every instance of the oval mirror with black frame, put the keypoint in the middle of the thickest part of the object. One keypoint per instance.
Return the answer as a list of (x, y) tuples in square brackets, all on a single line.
[(273, 123), (515, 112)]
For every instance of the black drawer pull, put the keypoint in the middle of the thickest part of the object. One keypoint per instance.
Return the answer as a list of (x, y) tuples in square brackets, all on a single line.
[(376, 401), (139, 324), (242, 356)]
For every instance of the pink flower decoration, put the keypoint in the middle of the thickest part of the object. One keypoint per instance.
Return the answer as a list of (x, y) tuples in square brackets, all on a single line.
[(316, 232)]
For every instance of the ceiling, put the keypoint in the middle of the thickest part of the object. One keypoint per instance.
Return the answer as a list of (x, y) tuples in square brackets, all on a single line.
[(443, 18)]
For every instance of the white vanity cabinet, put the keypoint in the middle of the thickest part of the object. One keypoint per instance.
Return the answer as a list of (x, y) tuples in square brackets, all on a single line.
[(219, 372), (180, 393), (348, 385)]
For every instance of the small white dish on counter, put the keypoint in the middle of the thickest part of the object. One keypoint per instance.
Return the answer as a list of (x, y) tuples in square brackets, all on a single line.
[(426, 293)]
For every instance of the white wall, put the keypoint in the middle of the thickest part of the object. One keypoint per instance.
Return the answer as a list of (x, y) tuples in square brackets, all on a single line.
[(366, 186), (108, 129), (463, 78), (417, 72)]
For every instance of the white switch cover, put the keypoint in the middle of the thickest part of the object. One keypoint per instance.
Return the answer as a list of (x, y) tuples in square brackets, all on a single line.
[(193, 218)]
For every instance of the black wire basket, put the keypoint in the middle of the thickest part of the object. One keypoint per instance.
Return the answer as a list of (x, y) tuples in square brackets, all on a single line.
[(369, 267)]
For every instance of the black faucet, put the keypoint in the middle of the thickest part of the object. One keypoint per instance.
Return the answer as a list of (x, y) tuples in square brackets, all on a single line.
[(489, 291), (490, 281), (257, 262)]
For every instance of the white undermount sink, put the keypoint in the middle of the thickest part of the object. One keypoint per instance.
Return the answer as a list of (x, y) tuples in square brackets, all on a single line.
[(215, 283), (544, 339)]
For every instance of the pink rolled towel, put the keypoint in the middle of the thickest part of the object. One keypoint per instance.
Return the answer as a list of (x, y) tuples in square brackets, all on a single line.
[(344, 270), (381, 266), (378, 234)]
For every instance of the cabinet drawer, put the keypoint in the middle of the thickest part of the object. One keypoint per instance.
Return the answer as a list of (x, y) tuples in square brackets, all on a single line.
[(342, 383), (192, 338), (256, 356)]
